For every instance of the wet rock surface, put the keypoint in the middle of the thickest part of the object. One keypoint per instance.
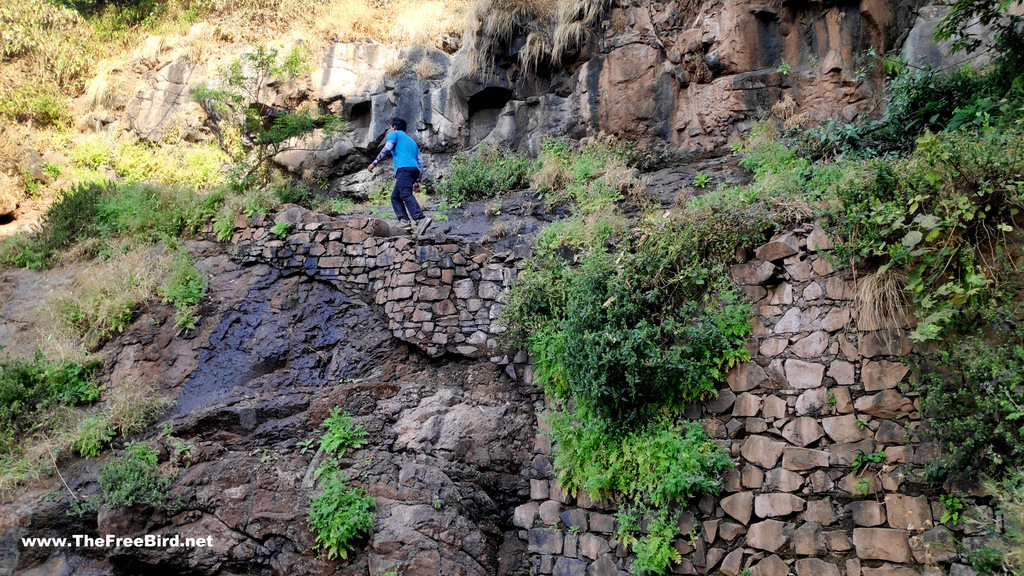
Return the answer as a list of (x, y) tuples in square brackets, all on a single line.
[(448, 442)]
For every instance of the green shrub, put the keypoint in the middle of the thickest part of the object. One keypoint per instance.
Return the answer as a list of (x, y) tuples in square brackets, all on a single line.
[(91, 436), (971, 400), (72, 217), (281, 229), (654, 552), (340, 516), (92, 152), (661, 462), (41, 104), (342, 433), (28, 386), (484, 175), (134, 479), (927, 99), (1005, 552), (183, 288), (594, 177)]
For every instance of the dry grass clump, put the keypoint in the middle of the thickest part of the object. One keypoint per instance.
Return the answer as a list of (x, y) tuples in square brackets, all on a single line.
[(105, 295), (880, 300), (554, 30), (427, 68)]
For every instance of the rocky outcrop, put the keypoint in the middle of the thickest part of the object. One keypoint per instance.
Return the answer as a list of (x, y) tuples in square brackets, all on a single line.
[(272, 355), (441, 296)]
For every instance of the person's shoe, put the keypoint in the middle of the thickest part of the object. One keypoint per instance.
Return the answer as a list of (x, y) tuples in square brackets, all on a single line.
[(422, 225), (408, 225)]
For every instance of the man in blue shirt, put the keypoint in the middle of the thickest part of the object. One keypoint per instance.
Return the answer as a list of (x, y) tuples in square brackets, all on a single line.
[(408, 163)]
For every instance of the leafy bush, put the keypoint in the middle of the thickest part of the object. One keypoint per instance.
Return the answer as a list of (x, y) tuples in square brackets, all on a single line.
[(654, 552), (661, 463), (342, 433), (70, 218), (340, 516), (971, 399), (28, 386), (183, 288), (1005, 554), (40, 104), (594, 176), (92, 435), (484, 175), (927, 99), (134, 479)]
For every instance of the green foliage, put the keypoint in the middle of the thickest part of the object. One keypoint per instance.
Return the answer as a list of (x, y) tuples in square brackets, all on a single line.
[(40, 104), (484, 174), (267, 130), (340, 516), (1005, 552), (281, 229), (863, 459), (29, 386), (70, 218), (342, 433), (951, 507), (925, 99), (183, 288), (594, 177), (92, 435), (654, 552), (628, 520), (972, 403), (785, 68), (134, 479), (662, 462), (962, 21), (627, 334), (702, 180)]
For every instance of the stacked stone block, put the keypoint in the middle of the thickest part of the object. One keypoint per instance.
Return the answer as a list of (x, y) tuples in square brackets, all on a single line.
[(441, 297), (822, 389)]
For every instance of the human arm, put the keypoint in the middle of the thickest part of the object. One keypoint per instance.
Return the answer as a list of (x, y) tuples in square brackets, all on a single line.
[(388, 147)]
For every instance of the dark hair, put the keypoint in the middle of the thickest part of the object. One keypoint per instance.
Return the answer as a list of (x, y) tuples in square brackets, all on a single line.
[(399, 124)]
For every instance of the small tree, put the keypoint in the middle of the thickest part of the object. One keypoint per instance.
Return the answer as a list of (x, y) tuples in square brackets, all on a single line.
[(265, 130), (964, 13)]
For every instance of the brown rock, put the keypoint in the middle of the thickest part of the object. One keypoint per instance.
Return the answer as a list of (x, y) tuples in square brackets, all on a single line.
[(525, 515), (746, 404), (804, 459), (539, 488), (731, 481), (882, 544), (746, 377), (842, 372), (593, 547), (753, 272), (796, 320), (882, 374), (782, 295), (803, 375), (807, 539), (730, 531), (844, 428), (844, 404), (774, 407), (544, 541), (884, 343), (893, 570), (812, 402), (820, 511), (798, 271), (867, 513), (762, 451), (844, 454), (740, 506), (753, 477), (770, 566), (935, 545), (773, 346), (908, 512), (890, 432), (604, 523), (769, 535), (722, 402), (819, 241), (859, 485), (822, 267), (836, 319), (782, 480), (887, 404), (813, 346), (777, 504), (779, 247), (732, 564), (549, 512), (837, 541), (838, 289), (803, 431), (815, 567)]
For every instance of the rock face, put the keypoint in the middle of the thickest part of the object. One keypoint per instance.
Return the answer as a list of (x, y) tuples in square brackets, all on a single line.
[(689, 76), (273, 354)]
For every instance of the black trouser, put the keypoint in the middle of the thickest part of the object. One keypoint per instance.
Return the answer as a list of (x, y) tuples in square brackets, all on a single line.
[(402, 198)]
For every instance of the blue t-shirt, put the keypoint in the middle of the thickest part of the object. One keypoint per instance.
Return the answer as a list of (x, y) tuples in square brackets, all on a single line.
[(406, 153)]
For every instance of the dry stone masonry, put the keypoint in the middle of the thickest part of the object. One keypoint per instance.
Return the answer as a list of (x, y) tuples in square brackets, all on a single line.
[(822, 388), (441, 296)]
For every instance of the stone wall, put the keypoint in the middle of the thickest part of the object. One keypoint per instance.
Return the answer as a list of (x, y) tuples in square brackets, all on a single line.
[(442, 296), (818, 391)]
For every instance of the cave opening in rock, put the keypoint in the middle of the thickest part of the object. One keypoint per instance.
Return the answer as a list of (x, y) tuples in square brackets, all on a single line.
[(484, 108), (360, 115), (770, 40)]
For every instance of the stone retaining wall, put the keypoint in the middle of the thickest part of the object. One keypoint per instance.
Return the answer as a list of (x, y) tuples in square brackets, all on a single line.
[(818, 391), (442, 297)]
